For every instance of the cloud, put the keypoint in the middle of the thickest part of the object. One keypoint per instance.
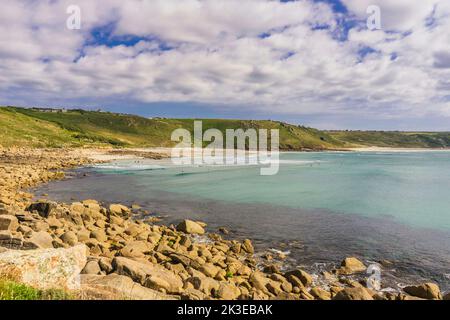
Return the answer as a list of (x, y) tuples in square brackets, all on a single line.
[(258, 55)]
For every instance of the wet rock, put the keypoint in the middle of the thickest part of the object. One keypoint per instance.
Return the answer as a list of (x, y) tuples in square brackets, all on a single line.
[(247, 246), (305, 278), (190, 227), (224, 230), (425, 291), (351, 265)]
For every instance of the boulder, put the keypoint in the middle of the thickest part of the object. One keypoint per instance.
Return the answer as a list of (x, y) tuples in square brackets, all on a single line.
[(45, 268), (10, 241), (8, 222), (69, 238), (118, 287), (305, 278), (190, 227), (247, 246), (351, 265), (44, 209), (206, 285), (228, 291), (39, 240), (320, 294), (99, 235), (358, 293), (119, 210), (136, 249), (150, 275), (425, 291), (446, 297), (209, 269), (92, 267)]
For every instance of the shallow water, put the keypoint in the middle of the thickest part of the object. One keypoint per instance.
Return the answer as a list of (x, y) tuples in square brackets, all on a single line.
[(321, 206)]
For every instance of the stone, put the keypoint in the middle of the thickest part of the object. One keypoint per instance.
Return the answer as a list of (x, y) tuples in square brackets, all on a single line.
[(10, 241), (136, 249), (54, 223), (305, 278), (446, 297), (351, 265), (228, 291), (118, 287), (45, 268), (119, 210), (206, 285), (190, 227), (99, 235), (247, 246), (8, 222), (320, 294), (44, 209), (105, 264), (92, 267), (39, 240), (259, 281), (150, 275), (224, 230), (209, 270), (425, 291), (358, 293), (69, 238), (83, 235), (39, 226)]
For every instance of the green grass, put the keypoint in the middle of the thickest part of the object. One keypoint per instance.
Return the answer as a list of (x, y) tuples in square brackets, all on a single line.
[(79, 128), (75, 128), (394, 139), (10, 290)]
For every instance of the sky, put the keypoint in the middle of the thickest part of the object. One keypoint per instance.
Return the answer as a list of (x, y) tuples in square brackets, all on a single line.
[(310, 62)]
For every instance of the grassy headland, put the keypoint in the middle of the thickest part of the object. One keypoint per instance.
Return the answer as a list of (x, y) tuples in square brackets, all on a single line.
[(27, 127), (77, 128)]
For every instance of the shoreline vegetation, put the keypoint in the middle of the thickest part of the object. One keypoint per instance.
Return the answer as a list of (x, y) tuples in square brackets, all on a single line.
[(89, 250)]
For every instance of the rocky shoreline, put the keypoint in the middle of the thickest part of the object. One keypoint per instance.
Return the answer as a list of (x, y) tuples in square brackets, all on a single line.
[(104, 252)]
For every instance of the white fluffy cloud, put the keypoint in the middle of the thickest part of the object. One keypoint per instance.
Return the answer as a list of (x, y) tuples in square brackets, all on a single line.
[(281, 58)]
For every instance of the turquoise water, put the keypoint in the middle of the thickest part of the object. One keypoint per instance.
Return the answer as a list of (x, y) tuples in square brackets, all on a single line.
[(320, 207), (413, 188)]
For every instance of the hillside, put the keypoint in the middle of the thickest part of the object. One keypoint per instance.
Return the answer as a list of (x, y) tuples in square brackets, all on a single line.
[(27, 127), (394, 139)]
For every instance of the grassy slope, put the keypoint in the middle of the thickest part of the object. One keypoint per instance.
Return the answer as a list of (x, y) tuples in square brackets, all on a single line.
[(83, 127), (395, 139), (25, 127)]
